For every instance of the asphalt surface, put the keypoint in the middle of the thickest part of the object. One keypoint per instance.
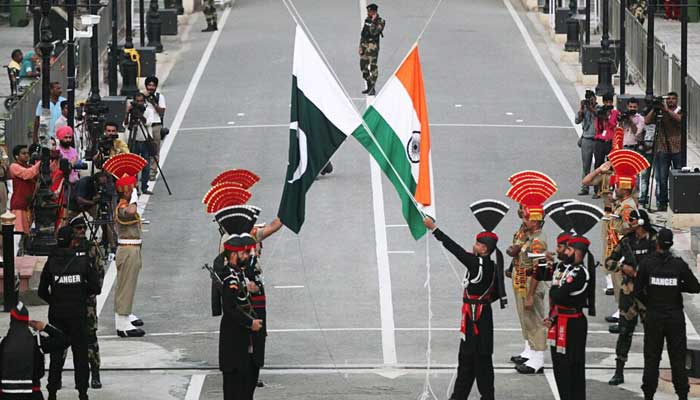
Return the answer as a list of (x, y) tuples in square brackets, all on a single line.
[(493, 114)]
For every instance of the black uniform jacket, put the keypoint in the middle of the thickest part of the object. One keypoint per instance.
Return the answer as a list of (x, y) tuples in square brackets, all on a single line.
[(67, 280), (22, 356), (478, 287), (660, 281), (236, 321), (570, 290)]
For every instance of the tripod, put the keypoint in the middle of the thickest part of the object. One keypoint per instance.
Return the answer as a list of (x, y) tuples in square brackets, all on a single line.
[(658, 117), (103, 220), (136, 126)]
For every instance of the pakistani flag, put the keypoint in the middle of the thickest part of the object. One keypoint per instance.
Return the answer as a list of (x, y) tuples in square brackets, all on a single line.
[(399, 140), (322, 117)]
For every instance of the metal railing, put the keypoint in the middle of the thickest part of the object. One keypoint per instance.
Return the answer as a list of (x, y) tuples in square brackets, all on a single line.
[(20, 124), (667, 69)]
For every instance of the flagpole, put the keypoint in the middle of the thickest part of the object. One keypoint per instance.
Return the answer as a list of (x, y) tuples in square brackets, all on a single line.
[(300, 22)]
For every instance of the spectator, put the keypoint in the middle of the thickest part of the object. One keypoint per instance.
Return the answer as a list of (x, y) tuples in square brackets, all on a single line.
[(586, 116), (634, 139), (110, 144), (606, 122), (63, 119), (68, 152), (139, 120), (94, 195), (23, 184), (3, 185), (16, 61), (54, 106), (156, 100), (29, 71), (667, 145), (671, 9)]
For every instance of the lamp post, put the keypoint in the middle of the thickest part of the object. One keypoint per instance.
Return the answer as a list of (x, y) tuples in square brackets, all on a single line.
[(651, 10), (8, 260), (622, 46), (142, 26), (684, 84), (588, 21), (605, 61), (572, 41), (113, 50), (154, 25), (46, 47), (70, 9), (128, 67)]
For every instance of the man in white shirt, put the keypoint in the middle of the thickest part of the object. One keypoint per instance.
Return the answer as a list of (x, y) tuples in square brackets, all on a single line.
[(155, 100), (633, 126), (139, 122)]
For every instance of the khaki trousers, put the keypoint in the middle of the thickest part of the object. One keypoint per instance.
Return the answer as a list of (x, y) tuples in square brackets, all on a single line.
[(532, 321), (128, 260), (617, 284)]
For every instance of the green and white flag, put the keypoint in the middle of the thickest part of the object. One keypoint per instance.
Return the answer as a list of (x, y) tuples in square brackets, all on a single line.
[(322, 117)]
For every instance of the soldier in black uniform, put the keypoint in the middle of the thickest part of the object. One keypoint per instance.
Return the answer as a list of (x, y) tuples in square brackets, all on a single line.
[(22, 355), (573, 288), (661, 280), (483, 284), (66, 282), (631, 250), (236, 348)]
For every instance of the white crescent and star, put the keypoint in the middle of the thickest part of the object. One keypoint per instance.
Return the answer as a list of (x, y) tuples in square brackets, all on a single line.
[(303, 153)]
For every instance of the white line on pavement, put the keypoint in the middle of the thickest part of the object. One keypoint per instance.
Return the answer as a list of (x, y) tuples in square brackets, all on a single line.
[(111, 273), (386, 304), (208, 128), (396, 226), (543, 67), (690, 331), (289, 287), (195, 386), (401, 252), (552, 383)]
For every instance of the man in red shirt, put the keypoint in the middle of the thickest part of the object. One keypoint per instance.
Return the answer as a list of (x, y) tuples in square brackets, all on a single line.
[(606, 122)]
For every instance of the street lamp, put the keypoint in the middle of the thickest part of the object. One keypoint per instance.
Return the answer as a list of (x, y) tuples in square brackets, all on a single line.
[(94, 108), (572, 26), (114, 50), (46, 48), (605, 62), (70, 10), (154, 25), (129, 67)]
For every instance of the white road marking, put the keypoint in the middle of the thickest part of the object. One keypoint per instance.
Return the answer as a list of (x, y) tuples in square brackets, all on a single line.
[(401, 252), (396, 226), (289, 287), (386, 304), (552, 383), (509, 113), (438, 125), (568, 111), (690, 331), (195, 387), (111, 273), (500, 126)]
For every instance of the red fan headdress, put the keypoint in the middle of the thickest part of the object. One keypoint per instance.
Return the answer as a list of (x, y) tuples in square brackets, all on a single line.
[(125, 167), (218, 186), (626, 164), (618, 139), (225, 197), (532, 189), (241, 176)]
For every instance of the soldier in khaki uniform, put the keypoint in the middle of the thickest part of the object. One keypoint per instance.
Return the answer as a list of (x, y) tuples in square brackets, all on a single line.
[(531, 189), (372, 30), (519, 238), (209, 10)]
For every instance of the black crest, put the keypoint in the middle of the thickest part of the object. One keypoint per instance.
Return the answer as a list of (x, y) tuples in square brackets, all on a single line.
[(236, 220), (489, 213), (583, 216), (556, 212)]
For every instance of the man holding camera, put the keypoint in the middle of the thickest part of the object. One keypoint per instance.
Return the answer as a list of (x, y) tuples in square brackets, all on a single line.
[(110, 145), (139, 120), (155, 100), (606, 122), (372, 30), (586, 116), (667, 143), (24, 178)]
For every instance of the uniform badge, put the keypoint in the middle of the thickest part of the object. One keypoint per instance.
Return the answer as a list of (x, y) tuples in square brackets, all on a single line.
[(570, 279)]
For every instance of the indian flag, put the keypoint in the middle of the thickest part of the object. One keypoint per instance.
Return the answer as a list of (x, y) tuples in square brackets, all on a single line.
[(400, 140), (322, 117)]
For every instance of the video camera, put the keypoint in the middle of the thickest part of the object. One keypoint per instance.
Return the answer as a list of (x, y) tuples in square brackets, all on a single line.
[(657, 102), (603, 111), (626, 115)]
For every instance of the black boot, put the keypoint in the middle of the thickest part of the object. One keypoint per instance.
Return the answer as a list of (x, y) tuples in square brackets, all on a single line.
[(368, 88), (83, 396), (209, 28), (371, 91), (215, 27), (619, 376), (95, 382), (52, 395)]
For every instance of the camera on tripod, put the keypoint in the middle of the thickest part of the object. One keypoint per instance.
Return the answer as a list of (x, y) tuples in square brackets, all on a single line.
[(603, 111), (657, 102)]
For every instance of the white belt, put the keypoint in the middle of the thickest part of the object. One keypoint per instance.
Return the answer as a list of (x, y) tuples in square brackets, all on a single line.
[(129, 241)]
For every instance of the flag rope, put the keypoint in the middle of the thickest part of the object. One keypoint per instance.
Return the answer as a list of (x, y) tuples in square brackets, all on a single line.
[(300, 21), (427, 387)]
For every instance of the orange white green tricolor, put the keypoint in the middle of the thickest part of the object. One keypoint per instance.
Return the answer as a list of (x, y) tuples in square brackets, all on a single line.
[(398, 119)]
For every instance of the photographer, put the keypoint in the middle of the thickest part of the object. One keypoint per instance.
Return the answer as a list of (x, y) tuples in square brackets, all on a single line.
[(68, 152), (586, 116), (23, 177), (94, 195), (667, 143), (156, 100), (139, 120), (110, 145), (606, 122), (633, 125)]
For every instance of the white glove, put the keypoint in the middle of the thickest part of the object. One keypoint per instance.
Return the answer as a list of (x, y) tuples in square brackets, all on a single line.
[(134, 197)]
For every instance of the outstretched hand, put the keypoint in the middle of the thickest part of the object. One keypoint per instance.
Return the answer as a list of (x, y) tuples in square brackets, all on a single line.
[(429, 223)]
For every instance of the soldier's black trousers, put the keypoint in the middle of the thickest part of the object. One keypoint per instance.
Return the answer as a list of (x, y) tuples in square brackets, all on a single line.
[(74, 328), (570, 368), (672, 329), (237, 386), (474, 366), (624, 340)]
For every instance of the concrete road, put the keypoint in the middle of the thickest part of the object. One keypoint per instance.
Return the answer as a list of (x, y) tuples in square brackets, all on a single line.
[(346, 320)]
